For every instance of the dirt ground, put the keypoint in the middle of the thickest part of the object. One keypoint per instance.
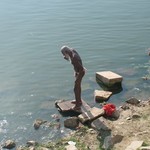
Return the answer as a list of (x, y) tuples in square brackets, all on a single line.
[(133, 124)]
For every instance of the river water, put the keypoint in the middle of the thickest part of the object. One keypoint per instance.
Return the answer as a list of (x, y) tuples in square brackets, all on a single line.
[(109, 35)]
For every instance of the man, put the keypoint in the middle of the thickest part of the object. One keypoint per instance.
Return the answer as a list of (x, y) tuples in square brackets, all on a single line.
[(72, 56)]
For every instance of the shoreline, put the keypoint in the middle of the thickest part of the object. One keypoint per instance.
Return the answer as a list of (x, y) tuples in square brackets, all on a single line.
[(133, 124)]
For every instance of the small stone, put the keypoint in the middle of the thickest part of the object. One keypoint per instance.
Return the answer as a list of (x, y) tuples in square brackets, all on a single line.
[(56, 117), (128, 118), (71, 122), (116, 114), (133, 101), (110, 141), (31, 148), (145, 78), (116, 139), (20, 148), (101, 96), (31, 143), (125, 107), (9, 144), (136, 116), (38, 122)]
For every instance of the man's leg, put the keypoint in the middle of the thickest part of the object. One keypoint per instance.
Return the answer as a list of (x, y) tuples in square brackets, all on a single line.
[(77, 89)]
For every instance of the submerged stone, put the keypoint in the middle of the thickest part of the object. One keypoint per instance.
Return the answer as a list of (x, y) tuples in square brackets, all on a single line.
[(9, 144), (109, 78)]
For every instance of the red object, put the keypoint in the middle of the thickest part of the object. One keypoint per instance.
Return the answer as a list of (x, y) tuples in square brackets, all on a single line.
[(109, 109)]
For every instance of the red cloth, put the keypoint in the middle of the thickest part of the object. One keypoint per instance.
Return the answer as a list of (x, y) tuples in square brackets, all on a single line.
[(109, 109)]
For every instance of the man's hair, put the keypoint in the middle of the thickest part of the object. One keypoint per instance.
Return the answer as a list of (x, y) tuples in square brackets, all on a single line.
[(65, 49)]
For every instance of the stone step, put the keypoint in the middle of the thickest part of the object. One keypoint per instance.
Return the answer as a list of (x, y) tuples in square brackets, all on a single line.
[(101, 96), (90, 114), (109, 78)]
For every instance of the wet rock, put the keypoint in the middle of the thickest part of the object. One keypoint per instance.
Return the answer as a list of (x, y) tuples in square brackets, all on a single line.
[(31, 143), (110, 141), (136, 116), (71, 122), (133, 101), (9, 144), (20, 148), (116, 139), (116, 114), (56, 117), (125, 107), (101, 95), (145, 78), (38, 122), (32, 148)]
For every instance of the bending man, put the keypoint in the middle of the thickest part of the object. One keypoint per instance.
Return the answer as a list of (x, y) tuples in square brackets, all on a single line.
[(72, 55)]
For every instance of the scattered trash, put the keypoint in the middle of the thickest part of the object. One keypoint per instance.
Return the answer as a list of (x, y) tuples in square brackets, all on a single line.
[(72, 143), (109, 109)]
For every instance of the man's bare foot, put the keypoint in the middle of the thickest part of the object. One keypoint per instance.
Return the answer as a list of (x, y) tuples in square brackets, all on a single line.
[(76, 103), (77, 109)]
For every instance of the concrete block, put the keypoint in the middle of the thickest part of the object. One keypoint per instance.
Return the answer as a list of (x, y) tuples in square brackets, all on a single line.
[(109, 78), (101, 96)]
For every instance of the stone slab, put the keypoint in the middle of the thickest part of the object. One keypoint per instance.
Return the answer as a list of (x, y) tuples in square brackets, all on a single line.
[(66, 105), (91, 114), (99, 124), (101, 95), (109, 78), (134, 145)]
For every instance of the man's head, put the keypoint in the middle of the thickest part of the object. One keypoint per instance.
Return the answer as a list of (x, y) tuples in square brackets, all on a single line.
[(66, 51)]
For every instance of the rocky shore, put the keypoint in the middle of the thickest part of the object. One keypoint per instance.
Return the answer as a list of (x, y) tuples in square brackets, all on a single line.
[(130, 131)]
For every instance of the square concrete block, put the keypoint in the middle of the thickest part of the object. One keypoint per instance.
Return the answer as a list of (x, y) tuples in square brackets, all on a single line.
[(101, 96), (109, 78)]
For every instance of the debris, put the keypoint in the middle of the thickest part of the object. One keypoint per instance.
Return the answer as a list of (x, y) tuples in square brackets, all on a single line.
[(109, 109), (134, 145)]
